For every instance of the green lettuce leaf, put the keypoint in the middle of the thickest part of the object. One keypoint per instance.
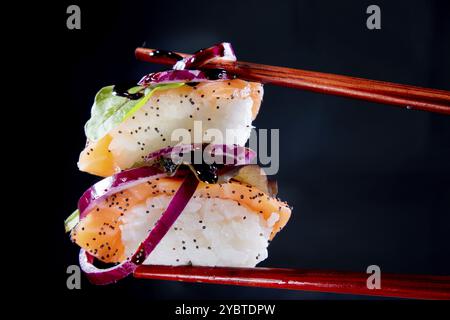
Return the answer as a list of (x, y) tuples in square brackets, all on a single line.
[(110, 110), (72, 220)]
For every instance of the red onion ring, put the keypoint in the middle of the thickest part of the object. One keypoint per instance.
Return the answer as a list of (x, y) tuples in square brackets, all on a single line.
[(114, 184), (229, 154), (180, 72), (168, 218), (174, 76), (222, 51)]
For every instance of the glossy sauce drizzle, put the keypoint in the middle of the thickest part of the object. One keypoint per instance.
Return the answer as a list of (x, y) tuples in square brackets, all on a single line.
[(121, 90)]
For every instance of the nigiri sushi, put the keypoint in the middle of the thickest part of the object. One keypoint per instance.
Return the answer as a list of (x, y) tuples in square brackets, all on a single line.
[(227, 106), (227, 224)]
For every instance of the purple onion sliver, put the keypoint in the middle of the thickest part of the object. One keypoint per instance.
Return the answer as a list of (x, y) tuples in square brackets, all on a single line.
[(234, 154), (175, 76), (172, 76), (112, 184), (104, 276), (223, 51)]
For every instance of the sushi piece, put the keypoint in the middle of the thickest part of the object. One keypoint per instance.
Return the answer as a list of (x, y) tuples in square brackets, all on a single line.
[(227, 224), (227, 106)]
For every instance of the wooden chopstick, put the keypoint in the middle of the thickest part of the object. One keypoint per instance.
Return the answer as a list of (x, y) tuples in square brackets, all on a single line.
[(400, 286), (406, 96)]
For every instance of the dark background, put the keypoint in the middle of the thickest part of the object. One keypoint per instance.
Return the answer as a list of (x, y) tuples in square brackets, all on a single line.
[(370, 183)]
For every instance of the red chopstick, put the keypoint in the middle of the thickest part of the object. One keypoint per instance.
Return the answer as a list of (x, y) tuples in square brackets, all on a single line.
[(406, 96), (392, 285)]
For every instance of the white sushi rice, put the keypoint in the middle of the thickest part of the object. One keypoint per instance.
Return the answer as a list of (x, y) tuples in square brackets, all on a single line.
[(209, 232), (152, 126)]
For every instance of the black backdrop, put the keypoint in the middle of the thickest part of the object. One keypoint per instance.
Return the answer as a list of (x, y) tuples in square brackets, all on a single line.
[(370, 184)]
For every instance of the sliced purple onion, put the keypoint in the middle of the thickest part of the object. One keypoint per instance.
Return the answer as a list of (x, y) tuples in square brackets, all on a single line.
[(222, 51), (175, 76), (114, 184), (180, 72), (168, 218), (212, 153)]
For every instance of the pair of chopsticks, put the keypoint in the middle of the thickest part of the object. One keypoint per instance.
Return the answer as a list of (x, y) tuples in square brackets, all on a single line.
[(406, 96), (392, 285), (400, 286)]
